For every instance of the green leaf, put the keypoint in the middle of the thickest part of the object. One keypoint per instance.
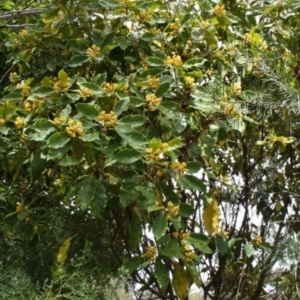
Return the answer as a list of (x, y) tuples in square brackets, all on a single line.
[(78, 46), (155, 62), (86, 192), (128, 156), (169, 105), (131, 265), (186, 210), (162, 89), (14, 96), (43, 125), (43, 91), (134, 121), (77, 60), (135, 232), (58, 140), (161, 273), (121, 106), (93, 87), (180, 281), (171, 249), (160, 226), (193, 166), (194, 62), (222, 245), (108, 39), (38, 165), (99, 201), (69, 161), (135, 139), (87, 110), (194, 274), (63, 76), (249, 250), (193, 183)]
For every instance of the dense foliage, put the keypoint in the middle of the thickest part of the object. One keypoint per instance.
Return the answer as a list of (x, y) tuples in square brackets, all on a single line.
[(162, 135)]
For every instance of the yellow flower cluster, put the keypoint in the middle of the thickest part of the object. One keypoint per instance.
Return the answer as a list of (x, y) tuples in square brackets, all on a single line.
[(109, 87), (61, 86), (178, 167), (154, 31), (181, 235), (151, 253), (175, 28), (256, 40), (153, 82), (219, 10), (209, 71), (93, 51), (25, 89), (205, 24), (13, 77), (190, 81), (74, 128), (236, 89), (85, 93), (146, 16), (31, 105), (151, 154), (2, 122), (175, 60), (110, 119), (220, 232), (189, 253), (58, 121), (21, 207), (20, 123), (152, 101), (23, 32), (171, 210), (230, 110)]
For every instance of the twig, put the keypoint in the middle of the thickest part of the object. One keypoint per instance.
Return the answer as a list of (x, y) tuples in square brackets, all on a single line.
[(25, 12)]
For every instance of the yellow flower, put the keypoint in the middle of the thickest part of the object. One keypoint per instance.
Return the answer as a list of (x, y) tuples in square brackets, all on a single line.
[(2, 122), (13, 77), (61, 87), (190, 81), (178, 167), (110, 119), (21, 207), (74, 128), (153, 101), (219, 10), (153, 82), (93, 52), (19, 123), (175, 60), (85, 93), (151, 253), (109, 87)]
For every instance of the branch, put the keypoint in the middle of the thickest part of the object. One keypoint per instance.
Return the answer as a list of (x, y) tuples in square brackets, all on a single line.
[(15, 26), (25, 12)]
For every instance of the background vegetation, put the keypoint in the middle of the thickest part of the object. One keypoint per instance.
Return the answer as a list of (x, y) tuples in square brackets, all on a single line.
[(157, 140)]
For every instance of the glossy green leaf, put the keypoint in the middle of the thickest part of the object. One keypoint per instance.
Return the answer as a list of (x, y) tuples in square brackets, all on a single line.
[(162, 89), (186, 210), (100, 199), (58, 140), (131, 265), (43, 91), (121, 106), (87, 110), (128, 156), (86, 192), (161, 273), (159, 226), (193, 183), (77, 60)]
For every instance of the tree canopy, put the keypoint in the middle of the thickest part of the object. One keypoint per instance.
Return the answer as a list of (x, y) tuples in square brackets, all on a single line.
[(158, 138)]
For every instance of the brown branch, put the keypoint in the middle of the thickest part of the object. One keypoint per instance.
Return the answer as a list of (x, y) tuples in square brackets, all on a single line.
[(18, 13)]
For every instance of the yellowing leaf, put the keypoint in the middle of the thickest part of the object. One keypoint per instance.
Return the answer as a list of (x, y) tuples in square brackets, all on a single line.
[(181, 282), (63, 251), (210, 216)]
